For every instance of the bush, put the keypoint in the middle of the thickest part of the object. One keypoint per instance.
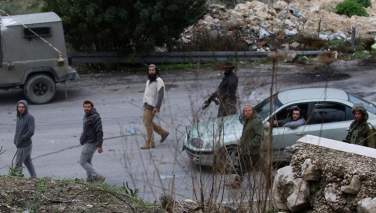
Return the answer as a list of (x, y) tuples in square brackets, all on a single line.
[(126, 26), (361, 54), (364, 3), (351, 8)]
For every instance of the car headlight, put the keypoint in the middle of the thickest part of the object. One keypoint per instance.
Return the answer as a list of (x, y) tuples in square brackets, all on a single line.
[(197, 142)]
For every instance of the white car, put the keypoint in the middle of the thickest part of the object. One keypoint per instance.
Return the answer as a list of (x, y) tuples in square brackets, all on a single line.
[(327, 113)]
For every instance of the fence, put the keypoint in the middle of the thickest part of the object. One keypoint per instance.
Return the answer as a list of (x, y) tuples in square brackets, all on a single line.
[(172, 57)]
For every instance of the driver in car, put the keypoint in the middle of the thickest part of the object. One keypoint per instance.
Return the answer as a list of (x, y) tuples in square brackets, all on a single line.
[(296, 120)]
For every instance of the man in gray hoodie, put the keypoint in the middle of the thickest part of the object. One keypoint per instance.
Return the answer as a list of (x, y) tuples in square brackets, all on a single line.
[(22, 138), (92, 140)]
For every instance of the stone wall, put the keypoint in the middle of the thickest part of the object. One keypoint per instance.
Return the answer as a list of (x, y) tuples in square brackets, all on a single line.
[(320, 179)]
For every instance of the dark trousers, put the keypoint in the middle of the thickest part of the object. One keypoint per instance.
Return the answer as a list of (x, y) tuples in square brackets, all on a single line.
[(227, 107), (23, 156), (248, 163)]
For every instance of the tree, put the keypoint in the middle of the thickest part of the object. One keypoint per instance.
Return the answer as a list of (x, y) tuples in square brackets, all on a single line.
[(125, 25)]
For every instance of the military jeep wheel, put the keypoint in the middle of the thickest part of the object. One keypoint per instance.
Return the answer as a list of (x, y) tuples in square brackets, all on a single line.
[(40, 89)]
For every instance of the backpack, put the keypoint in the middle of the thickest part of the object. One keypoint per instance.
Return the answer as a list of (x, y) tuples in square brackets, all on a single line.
[(371, 139)]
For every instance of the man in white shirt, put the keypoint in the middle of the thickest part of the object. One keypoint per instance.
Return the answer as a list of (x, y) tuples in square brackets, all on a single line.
[(153, 97)]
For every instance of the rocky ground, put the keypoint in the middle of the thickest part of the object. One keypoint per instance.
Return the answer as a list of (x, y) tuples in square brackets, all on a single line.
[(254, 20), (326, 180)]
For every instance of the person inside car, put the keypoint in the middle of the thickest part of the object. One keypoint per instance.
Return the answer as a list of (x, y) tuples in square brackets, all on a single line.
[(296, 120)]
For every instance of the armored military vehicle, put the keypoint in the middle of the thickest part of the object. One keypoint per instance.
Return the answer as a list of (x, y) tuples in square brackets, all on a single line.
[(33, 55)]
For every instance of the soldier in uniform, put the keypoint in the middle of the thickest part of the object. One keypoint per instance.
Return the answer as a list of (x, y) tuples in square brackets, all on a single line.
[(359, 129)]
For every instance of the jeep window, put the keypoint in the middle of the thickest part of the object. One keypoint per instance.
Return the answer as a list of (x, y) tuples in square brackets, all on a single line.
[(328, 112), (29, 33)]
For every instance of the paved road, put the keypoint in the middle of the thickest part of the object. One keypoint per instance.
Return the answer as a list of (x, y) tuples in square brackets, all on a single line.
[(118, 98)]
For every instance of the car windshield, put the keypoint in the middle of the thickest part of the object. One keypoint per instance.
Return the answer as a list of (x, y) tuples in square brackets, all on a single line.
[(263, 108), (369, 106)]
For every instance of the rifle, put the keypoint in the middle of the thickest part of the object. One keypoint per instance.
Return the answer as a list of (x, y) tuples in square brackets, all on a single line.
[(213, 97)]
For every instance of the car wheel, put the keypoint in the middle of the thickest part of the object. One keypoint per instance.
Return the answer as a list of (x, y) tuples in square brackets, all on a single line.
[(40, 89)]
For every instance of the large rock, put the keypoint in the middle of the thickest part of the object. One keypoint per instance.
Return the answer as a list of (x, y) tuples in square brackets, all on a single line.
[(289, 193), (283, 186), (367, 205), (354, 186), (298, 200), (310, 171), (330, 194)]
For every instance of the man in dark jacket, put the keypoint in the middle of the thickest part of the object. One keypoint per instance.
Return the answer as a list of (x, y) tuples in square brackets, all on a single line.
[(249, 144), (225, 95), (359, 129), (22, 139), (92, 140)]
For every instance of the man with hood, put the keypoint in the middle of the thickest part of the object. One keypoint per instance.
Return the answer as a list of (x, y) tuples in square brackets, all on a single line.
[(25, 127), (153, 98), (249, 144), (92, 140), (359, 129), (225, 95)]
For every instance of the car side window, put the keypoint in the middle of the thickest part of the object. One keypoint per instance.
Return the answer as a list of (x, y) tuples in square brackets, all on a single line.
[(284, 115), (328, 112)]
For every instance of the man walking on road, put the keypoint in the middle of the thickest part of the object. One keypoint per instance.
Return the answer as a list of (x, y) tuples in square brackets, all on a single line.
[(225, 95), (25, 127), (153, 97), (92, 140)]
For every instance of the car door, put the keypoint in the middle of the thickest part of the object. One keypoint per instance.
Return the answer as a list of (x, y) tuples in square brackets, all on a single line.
[(329, 120)]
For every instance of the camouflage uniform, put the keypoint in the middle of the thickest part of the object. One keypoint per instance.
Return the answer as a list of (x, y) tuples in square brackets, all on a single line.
[(358, 131), (250, 143)]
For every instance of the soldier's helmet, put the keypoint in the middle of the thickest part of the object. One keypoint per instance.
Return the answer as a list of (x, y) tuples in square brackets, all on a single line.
[(360, 108)]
